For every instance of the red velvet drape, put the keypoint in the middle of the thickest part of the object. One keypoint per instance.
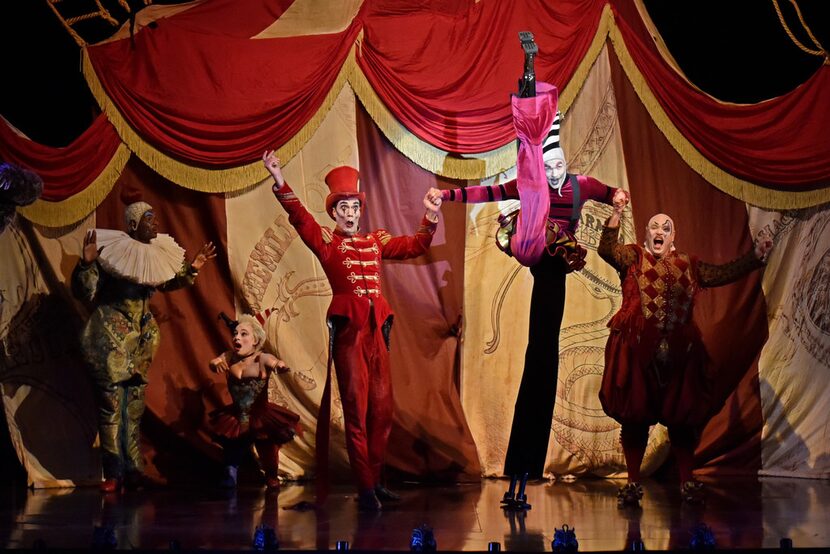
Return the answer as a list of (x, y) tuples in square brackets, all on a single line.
[(200, 89), (68, 170), (430, 438), (446, 70), (782, 143)]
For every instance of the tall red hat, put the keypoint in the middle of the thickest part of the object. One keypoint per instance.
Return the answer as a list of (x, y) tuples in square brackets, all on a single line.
[(342, 182)]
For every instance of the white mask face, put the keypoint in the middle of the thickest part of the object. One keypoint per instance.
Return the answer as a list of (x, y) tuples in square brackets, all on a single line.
[(555, 170), (660, 235), (347, 215)]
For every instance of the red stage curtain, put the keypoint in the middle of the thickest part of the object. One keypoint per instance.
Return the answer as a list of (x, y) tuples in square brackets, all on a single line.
[(68, 170), (447, 72), (430, 438), (782, 143), (198, 88)]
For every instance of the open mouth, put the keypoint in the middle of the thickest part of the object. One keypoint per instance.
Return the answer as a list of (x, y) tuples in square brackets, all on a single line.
[(237, 345), (658, 241)]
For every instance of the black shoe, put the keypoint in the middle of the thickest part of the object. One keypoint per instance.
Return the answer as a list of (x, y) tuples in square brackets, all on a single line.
[(367, 501), (385, 494), (629, 495)]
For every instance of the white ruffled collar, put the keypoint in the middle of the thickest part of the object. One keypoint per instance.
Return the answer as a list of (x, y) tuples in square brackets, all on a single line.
[(150, 263)]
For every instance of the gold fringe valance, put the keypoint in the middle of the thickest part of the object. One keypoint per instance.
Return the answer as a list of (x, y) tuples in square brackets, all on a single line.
[(434, 160), (201, 179), (78, 206), (440, 162), (470, 166), (746, 191)]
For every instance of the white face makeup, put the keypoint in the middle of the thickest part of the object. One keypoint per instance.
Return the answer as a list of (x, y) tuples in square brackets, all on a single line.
[(660, 235), (347, 215), (555, 170)]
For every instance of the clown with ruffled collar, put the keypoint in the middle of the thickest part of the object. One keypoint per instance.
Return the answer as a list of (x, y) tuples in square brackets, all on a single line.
[(119, 272)]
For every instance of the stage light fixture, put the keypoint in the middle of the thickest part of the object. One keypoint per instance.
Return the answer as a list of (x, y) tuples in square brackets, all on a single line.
[(702, 538), (564, 540), (786, 543), (265, 538), (342, 545), (423, 539), (493, 547)]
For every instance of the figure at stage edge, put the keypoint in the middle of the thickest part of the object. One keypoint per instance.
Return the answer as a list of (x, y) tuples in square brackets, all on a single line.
[(119, 272), (656, 366), (359, 319), (251, 419), (18, 187), (541, 236)]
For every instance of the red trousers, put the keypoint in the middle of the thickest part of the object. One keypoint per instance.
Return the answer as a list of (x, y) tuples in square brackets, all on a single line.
[(361, 363)]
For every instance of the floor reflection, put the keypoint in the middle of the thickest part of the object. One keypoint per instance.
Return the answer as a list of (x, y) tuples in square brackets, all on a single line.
[(740, 513)]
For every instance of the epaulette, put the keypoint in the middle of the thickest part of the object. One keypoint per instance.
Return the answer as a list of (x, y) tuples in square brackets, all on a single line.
[(383, 236), (327, 234)]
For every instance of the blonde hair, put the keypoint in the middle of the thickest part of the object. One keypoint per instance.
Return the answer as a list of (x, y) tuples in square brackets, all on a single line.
[(256, 327)]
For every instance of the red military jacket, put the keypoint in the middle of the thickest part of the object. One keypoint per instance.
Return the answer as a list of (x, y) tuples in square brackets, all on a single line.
[(352, 263)]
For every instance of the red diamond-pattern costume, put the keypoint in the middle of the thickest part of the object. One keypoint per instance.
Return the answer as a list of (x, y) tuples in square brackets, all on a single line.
[(359, 320), (656, 367)]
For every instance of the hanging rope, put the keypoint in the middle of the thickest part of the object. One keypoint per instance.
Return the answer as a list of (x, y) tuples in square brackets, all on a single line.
[(818, 49)]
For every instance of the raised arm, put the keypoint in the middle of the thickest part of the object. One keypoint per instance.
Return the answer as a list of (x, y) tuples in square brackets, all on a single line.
[(619, 256), (309, 230), (86, 278)]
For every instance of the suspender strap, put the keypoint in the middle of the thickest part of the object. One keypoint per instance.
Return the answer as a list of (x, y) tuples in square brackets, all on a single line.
[(577, 206)]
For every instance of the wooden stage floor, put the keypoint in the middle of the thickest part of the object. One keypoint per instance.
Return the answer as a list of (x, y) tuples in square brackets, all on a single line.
[(742, 514)]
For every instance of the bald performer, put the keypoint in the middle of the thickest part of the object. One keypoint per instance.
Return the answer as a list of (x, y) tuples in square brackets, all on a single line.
[(656, 366)]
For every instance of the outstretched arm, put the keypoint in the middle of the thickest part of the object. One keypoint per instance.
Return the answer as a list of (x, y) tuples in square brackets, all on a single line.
[(478, 194), (219, 364), (713, 275)]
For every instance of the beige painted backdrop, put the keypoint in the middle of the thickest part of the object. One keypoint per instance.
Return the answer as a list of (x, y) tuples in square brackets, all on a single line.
[(794, 367)]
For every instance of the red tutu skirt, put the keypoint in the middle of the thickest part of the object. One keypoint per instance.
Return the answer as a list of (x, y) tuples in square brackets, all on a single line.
[(266, 421)]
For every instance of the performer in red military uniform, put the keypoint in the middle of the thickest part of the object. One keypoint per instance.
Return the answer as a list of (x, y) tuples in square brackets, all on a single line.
[(656, 366), (359, 317)]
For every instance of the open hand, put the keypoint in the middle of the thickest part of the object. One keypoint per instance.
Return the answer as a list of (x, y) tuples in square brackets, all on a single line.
[(207, 252), (219, 365), (90, 249)]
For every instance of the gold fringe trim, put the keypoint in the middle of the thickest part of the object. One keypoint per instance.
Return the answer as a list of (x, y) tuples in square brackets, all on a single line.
[(572, 90), (738, 188), (470, 166), (434, 160), (202, 179), (78, 206)]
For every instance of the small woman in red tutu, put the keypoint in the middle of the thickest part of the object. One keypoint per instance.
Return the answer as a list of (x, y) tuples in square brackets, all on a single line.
[(251, 419)]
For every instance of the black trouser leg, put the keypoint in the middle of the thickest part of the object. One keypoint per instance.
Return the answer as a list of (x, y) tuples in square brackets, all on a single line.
[(530, 433)]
